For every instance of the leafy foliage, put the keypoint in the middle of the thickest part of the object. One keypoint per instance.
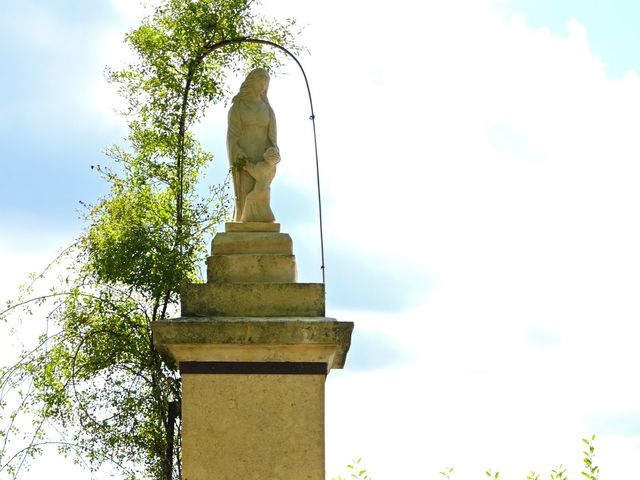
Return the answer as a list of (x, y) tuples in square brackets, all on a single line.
[(591, 471), (356, 471), (447, 472), (94, 386), (559, 473), (492, 475)]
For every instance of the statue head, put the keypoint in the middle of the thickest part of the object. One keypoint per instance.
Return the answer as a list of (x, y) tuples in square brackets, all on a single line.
[(256, 83)]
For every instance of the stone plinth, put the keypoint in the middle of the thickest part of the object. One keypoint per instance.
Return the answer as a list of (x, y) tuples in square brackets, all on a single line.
[(251, 227), (253, 299), (254, 348), (275, 339), (240, 243), (251, 253), (251, 268), (253, 393)]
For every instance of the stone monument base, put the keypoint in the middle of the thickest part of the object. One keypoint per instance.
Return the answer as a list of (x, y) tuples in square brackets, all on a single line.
[(253, 348), (253, 393)]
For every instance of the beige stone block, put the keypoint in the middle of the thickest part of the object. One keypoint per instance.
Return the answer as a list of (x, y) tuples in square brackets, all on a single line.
[(274, 339), (253, 427), (252, 268), (251, 227), (230, 243), (253, 299), (256, 353)]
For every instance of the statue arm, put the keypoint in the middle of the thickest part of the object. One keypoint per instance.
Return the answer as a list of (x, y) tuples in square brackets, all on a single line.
[(273, 131), (234, 131)]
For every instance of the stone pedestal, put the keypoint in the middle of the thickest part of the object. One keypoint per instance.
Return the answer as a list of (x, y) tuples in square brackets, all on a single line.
[(253, 348)]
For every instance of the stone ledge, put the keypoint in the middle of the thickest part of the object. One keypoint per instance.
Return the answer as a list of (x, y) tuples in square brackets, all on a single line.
[(230, 243), (251, 227), (251, 268), (254, 339), (252, 299)]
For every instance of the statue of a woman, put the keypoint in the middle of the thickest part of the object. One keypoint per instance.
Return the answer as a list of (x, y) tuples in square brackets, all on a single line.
[(251, 132)]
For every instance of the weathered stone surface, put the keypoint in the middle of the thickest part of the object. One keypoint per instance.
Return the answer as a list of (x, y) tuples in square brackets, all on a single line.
[(253, 299), (310, 339), (251, 268), (310, 353), (253, 427), (251, 227), (230, 243)]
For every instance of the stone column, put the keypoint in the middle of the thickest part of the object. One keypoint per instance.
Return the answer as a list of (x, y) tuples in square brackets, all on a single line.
[(253, 348)]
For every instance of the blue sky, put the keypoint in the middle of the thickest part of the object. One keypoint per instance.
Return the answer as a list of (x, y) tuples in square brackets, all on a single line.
[(50, 134), (480, 163), (613, 32)]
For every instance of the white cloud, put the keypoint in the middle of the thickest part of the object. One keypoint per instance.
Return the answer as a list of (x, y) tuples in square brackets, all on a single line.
[(545, 240)]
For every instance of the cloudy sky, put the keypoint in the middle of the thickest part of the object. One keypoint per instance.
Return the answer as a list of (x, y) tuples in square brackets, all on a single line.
[(480, 162)]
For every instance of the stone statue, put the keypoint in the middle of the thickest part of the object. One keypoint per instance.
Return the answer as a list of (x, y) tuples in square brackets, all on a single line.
[(252, 148)]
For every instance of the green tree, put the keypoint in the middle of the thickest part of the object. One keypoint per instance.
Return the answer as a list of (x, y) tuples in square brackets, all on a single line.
[(94, 386)]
